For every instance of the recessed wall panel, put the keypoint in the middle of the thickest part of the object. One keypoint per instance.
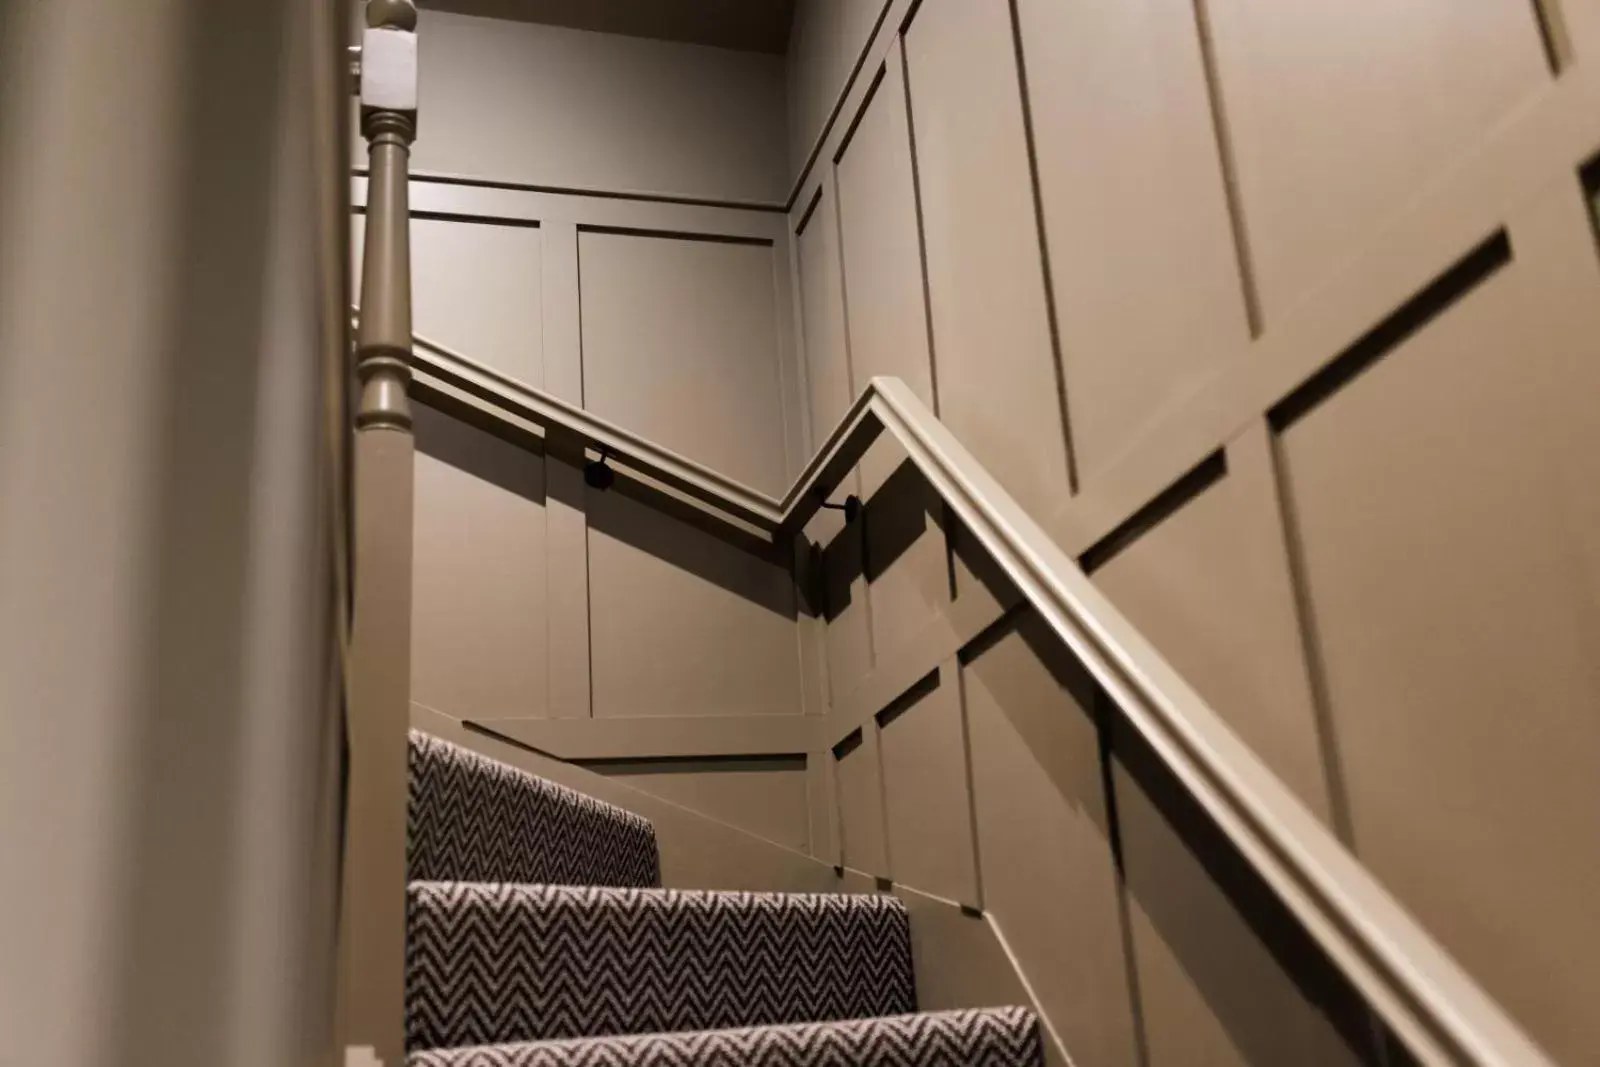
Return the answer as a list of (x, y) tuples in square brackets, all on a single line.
[(860, 785), (928, 805), (478, 629), (682, 623), (1044, 837), (998, 389), (1209, 585), (1450, 587), (1145, 280), (1226, 975), (680, 345), (476, 289), (1339, 114)]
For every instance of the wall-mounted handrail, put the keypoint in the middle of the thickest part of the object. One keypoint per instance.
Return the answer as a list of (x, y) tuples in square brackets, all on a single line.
[(1427, 999), (432, 360)]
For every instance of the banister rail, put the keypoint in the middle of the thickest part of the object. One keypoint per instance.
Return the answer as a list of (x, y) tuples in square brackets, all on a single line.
[(1441, 1014)]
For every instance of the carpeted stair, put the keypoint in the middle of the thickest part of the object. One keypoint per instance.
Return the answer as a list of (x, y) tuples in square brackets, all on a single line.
[(538, 936)]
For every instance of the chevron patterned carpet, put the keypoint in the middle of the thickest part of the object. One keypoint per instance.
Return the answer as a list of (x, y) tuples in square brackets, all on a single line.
[(998, 1037), (536, 937), (474, 820)]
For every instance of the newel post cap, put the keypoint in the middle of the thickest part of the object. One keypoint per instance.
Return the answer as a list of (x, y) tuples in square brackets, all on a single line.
[(392, 14)]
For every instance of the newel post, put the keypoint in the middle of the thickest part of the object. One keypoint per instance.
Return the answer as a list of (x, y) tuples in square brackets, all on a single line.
[(373, 920)]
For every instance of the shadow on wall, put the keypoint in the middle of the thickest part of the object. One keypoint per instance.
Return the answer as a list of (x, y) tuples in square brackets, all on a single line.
[(891, 523), (636, 514), (1203, 924), (1219, 971), (515, 466), (624, 514)]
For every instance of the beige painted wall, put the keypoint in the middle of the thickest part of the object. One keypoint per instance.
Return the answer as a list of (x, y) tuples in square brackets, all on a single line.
[(675, 656), (826, 42), (1308, 420), (544, 105), (170, 288), (1282, 316)]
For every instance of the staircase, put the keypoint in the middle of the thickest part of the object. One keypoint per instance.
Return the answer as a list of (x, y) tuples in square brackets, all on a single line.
[(538, 936)]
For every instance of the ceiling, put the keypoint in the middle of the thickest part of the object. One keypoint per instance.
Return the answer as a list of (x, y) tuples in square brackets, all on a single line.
[(747, 25)]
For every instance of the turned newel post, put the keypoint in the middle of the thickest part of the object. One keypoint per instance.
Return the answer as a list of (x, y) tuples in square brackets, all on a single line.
[(389, 124), (373, 918)]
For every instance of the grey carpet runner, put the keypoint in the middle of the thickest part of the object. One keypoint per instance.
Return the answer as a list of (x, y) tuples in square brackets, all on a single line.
[(474, 820), (995, 1037), (537, 936)]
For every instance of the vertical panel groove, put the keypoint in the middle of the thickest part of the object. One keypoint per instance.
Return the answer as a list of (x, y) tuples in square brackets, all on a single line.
[(802, 356), (922, 237), (1339, 810), (588, 595), (883, 799), (1051, 312), (588, 584), (850, 374), (577, 253), (958, 667), (570, 676), (1230, 169), (1553, 34), (1103, 710)]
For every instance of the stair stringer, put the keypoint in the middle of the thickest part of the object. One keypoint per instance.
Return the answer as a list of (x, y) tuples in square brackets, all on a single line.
[(961, 960)]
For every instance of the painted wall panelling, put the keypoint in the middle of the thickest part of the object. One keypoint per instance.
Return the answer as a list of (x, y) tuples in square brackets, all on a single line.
[(820, 296), (479, 594), (858, 772), (1145, 281), (1044, 839), (886, 315), (1313, 184), (640, 614), (566, 525), (1471, 746), (1401, 249), (1508, 154), (683, 624), (1134, 930), (477, 283), (886, 318), (679, 343), (1223, 974), (1206, 577), (827, 41), (769, 794), (992, 346), (928, 805)]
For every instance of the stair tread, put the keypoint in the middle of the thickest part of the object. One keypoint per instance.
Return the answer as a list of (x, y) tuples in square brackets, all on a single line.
[(600, 895), (492, 963), (984, 1037), (475, 819)]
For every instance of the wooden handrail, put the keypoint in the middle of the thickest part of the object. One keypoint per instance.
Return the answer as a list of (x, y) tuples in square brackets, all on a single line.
[(1441, 1014)]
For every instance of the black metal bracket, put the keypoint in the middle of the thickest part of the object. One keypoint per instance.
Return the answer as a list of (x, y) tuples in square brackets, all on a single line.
[(596, 475), (851, 507)]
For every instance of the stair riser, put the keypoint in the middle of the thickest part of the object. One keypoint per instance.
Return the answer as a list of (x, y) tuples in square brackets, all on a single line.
[(493, 964), (1004, 1037), (474, 820)]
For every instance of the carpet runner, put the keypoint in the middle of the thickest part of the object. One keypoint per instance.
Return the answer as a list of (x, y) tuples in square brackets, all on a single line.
[(538, 936)]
